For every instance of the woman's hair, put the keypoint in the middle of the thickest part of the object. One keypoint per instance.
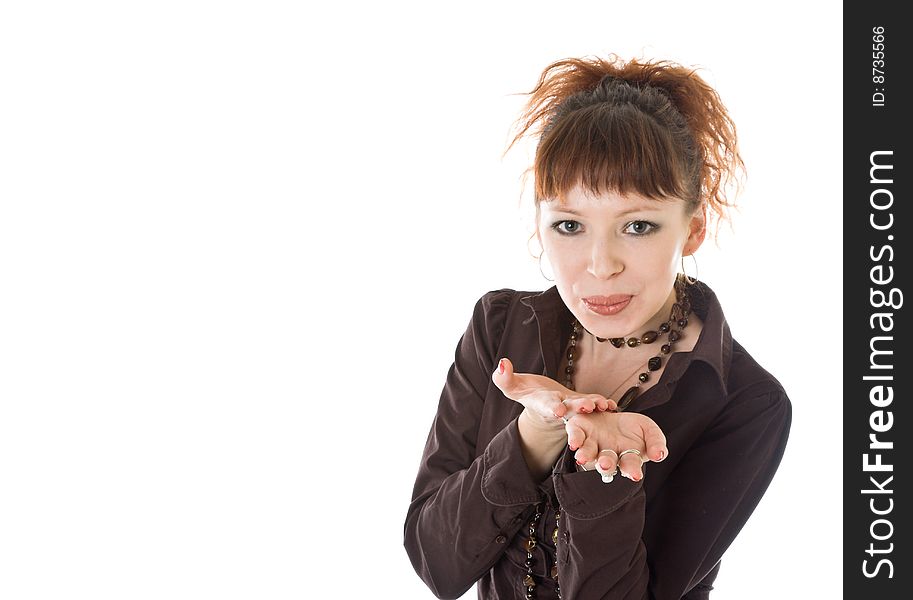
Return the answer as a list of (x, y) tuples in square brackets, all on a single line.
[(655, 128)]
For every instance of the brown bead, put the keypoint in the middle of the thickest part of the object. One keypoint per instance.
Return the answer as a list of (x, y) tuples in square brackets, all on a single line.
[(530, 544), (600, 340), (633, 342), (555, 571), (666, 349), (664, 328), (683, 322), (654, 363), (569, 370), (649, 337), (570, 353), (555, 535), (529, 582), (686, 306), (628, 397), (674, 336), (618, 342), (644, 377)]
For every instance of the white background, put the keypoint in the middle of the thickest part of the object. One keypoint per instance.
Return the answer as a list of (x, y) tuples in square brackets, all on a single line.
[(239, 242)]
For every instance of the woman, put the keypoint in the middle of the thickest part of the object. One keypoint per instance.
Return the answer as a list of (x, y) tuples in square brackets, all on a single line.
[(553, 395)]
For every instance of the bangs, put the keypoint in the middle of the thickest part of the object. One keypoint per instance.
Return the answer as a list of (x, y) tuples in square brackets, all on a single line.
[(610, 149)]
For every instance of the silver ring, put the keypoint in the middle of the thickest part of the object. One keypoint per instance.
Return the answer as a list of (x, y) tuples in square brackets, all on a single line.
[(631, 451), (612, 451)]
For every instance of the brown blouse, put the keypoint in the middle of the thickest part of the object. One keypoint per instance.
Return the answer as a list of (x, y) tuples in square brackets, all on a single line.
[(726, 422)]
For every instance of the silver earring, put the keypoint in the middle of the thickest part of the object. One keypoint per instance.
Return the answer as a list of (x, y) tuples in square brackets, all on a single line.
[(540, 266), (690, 280)]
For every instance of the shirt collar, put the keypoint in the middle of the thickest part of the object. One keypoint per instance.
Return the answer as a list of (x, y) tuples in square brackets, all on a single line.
[(714, 347)]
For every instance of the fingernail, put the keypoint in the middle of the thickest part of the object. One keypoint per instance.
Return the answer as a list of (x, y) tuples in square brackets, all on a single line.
[(662, 455), (501, 366)]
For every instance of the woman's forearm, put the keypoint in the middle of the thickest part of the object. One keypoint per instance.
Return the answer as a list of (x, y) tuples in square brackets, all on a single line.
[(542, 444)]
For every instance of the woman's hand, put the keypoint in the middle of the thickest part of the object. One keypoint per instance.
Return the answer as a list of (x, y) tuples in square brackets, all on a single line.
[(544, 399), (601, 441)]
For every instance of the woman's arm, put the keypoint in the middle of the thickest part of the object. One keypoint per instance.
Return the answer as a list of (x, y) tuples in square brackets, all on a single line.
[(465, 508), (703, 504), (712, 492)]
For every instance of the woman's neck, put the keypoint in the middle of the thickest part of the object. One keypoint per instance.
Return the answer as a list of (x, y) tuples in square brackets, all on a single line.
[(602, 352)]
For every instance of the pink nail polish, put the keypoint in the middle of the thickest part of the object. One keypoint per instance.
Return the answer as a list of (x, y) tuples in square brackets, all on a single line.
[(501, 366)]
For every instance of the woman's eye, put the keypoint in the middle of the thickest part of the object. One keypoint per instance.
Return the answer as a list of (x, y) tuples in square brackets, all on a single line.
[(641, 227), (572, 227)]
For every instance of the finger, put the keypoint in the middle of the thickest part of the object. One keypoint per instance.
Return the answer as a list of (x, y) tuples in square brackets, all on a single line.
[(587, 452), (575, 436), (581, 404), (655, 442), (560, 409), (602, 403), (590, 466), (607, 460), (503, 376), (631, 466)]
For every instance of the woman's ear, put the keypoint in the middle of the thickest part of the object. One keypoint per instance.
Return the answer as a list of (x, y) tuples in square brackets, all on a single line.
[(697, 232)]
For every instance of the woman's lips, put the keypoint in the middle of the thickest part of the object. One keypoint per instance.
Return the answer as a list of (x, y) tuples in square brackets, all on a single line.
[(607, 305)]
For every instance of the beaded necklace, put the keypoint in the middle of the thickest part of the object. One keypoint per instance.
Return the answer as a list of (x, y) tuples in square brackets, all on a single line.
[(678, 316)]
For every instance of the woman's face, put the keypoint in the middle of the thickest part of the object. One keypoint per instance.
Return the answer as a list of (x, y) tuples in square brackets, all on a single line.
[(624, 246)]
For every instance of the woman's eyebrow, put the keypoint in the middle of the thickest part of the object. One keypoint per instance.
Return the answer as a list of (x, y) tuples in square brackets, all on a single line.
[(621, 213)]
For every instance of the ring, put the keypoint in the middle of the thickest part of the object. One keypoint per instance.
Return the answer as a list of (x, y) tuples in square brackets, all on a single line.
[(608, 477), (631, 451)]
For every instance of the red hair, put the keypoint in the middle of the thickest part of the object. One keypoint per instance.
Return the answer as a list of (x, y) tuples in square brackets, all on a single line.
[(655, 128)]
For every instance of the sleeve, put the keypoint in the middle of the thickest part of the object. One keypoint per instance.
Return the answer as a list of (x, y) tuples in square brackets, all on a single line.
[(701, 507), (712, 492), (465, 507)]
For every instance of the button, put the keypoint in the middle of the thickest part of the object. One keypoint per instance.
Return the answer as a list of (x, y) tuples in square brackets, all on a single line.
[(501, 539)]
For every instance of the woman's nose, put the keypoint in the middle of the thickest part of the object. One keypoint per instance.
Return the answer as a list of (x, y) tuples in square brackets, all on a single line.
[(604, 262)]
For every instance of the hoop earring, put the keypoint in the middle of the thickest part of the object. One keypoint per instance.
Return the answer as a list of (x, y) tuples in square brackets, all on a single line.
[(690, 280), (540, 267)]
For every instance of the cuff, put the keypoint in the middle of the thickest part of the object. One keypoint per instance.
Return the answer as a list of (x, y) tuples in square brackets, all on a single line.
[(583, 495), (506, 480)]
